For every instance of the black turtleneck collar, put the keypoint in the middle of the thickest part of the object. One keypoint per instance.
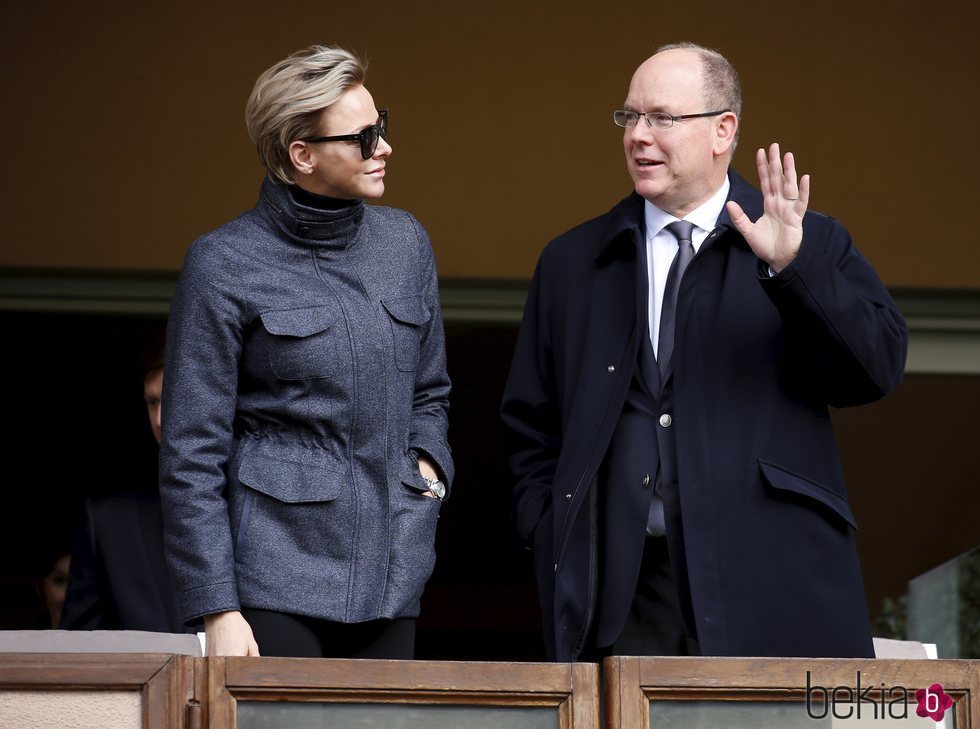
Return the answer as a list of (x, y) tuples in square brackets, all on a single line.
[(310, 219), (320, 202)]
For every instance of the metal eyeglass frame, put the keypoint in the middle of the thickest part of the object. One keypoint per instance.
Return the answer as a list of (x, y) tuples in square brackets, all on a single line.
[(661, 119)]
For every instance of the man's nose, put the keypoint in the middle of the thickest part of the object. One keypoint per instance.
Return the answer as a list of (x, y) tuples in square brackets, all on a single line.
[(641, 132)]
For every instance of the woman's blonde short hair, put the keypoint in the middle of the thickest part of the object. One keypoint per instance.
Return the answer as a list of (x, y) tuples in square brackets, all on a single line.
[(287, 100)]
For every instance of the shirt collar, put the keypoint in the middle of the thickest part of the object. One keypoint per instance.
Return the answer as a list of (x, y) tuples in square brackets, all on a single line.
[(704, 216)]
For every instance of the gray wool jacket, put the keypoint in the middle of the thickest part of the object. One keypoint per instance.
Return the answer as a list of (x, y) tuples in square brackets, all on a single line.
[(305, 370)]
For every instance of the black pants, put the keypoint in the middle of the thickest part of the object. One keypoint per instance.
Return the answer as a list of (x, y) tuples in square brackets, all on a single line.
[(283, 634), (655, 625)]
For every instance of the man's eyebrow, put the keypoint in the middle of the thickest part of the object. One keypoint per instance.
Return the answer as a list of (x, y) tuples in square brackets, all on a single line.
[(655, 108)]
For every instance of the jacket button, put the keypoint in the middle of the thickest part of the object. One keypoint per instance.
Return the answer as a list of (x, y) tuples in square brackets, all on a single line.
[(611, 368), (646, 480), (665, 420)]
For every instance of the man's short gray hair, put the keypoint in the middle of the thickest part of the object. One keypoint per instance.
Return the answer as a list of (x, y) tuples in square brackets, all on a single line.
[(722, 89)]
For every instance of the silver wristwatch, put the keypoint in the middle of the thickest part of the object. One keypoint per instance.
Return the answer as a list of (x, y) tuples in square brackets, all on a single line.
[(436, 487)]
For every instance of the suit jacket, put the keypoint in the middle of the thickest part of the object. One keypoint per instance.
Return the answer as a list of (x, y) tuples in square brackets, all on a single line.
[(768, 532), (118, 578)]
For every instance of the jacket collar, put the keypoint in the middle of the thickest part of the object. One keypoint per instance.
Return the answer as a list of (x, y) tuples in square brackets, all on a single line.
[(748, 197), (306, 225), (626, 218), (623, 222)]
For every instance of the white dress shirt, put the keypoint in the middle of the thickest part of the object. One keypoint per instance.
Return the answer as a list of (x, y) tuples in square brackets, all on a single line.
[(662, 247)]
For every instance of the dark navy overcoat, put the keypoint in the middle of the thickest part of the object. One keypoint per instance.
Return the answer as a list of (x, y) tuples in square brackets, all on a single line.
[(767, 529)]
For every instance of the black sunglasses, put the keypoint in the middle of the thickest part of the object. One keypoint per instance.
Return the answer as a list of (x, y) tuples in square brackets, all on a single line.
[(367, 137)]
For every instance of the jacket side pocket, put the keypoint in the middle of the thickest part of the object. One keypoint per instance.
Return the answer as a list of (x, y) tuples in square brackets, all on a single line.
[(785, 480)]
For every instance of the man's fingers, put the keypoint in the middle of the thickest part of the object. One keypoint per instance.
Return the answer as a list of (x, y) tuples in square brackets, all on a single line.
[(775, 163), (739, 219), (790, 189), (776, 176), (762, 165), (804, 192)]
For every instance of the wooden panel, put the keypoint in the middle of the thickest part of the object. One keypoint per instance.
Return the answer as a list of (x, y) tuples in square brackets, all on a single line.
[(166, 683), (571, 689), (67, 670), (633, 682)]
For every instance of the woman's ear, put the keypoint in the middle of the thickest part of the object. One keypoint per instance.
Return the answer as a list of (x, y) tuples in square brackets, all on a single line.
[(301, 155)]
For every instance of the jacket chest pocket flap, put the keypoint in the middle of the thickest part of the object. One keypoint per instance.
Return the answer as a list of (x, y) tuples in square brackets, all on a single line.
[(407, 315), (783, 480), (303, 344)]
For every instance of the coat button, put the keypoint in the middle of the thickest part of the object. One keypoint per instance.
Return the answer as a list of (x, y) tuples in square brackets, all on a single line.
[(646, 480), (611, 368), (665, 420)]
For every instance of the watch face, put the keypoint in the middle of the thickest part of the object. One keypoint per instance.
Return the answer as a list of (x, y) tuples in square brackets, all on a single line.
[(438, 488)]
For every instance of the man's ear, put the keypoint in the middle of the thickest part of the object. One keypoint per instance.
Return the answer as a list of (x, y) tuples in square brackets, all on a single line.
[(725, 129)]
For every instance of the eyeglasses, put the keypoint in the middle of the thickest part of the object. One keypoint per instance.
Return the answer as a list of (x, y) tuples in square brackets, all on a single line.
[(367, 137), (658, 119)]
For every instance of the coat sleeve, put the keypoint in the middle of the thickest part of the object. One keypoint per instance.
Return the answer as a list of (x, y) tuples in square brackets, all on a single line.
[(530, 413), (850, 339), (430, 402), (204, 342)]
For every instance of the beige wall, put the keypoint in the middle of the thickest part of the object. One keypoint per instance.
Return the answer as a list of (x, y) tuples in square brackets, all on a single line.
[(124, 139), (70, 710)]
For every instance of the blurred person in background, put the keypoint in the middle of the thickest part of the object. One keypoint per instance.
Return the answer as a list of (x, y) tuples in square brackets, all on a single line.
[(119, 578)]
